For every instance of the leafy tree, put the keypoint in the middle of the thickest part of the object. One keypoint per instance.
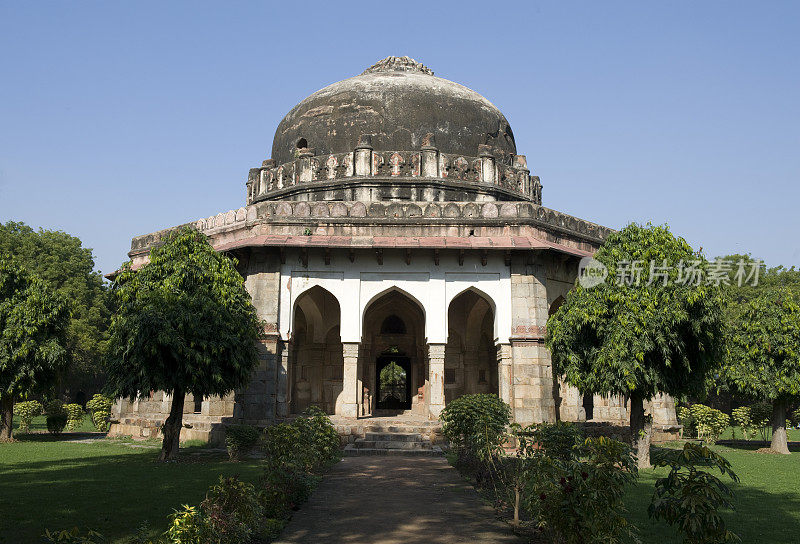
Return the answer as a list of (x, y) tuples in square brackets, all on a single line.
[(763, 356), (185, 325), (64, 265), (639, 338), (33, 324)]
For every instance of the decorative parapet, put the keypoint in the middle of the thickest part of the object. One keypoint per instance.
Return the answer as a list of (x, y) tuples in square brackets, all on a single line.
[(334, 212), (508, 173)]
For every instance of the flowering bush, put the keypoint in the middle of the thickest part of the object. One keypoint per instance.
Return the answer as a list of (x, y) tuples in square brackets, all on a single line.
[(26, 411)]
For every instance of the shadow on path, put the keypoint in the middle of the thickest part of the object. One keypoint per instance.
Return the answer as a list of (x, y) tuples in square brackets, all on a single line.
[(394, 500)]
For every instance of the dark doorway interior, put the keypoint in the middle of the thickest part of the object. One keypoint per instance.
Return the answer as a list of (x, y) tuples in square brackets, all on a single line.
[(394, 382)]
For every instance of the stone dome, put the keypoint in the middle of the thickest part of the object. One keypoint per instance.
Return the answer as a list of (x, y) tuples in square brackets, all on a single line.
[(397, 101)]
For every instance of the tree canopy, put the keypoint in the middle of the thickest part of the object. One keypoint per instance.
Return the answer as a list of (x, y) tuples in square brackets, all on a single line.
[(65, 266), (185, 324), (654, 325), (763, 355), (33, 331)]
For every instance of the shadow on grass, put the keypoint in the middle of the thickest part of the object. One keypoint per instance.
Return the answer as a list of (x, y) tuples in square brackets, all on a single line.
[(767, 500), (752, 445), (62, 437), (101, 486)]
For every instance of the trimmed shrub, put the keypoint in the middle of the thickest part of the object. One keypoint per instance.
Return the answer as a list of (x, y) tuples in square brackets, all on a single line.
[(322, 446), (710, 422), (99, 407), (690, 498), (310, 443), (56, 416), (74, 416), (476, 425), (240, 439), (687, 421), (26, 411), (742, 417)]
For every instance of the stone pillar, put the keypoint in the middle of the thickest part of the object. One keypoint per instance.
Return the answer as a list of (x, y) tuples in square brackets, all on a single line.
[(363, 156), (252, 184), (282, 399), (532, 386), (521, 162), (487, 164), (430, 158), (436, 379), (304, 171), (348, 401), (505, 375)]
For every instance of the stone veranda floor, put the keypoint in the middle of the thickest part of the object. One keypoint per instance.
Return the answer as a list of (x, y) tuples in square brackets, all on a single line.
[(395, 500)]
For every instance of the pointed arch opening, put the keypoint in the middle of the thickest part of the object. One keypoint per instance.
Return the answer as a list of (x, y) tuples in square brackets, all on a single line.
[(316, 374), (393, 362), (470, 360)]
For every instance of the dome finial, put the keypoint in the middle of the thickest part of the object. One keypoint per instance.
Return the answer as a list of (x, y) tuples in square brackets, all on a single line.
[(398, 64)]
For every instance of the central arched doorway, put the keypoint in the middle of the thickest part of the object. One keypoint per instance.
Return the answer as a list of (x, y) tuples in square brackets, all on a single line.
[(393, 362)]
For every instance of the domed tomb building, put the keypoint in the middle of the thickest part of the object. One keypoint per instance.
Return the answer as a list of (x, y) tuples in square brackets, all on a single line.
[(396, 246)]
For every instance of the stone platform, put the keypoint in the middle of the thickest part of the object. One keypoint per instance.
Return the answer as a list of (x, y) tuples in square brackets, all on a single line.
[(404, 428)]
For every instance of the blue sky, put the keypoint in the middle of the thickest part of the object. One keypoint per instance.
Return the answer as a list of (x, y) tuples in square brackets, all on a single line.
[(118, 119)]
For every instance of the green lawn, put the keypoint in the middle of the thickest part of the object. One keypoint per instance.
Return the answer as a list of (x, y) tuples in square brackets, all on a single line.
[(108, 485), (115, 485), (767, 499)]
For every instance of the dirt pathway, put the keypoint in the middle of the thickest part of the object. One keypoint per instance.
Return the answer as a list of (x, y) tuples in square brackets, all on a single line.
[(395, 500)]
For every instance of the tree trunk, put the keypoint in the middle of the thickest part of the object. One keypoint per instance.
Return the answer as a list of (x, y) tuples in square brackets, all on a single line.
[(557, 397), (779, 442), (641, 432), (6, 417), (172, 427)]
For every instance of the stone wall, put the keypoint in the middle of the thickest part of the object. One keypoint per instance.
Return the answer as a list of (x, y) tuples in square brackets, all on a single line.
[(532, 376)]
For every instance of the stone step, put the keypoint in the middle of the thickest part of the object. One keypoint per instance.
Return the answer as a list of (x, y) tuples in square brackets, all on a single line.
[(393, 437), (390, 445), (349, 451), (400, 428)]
